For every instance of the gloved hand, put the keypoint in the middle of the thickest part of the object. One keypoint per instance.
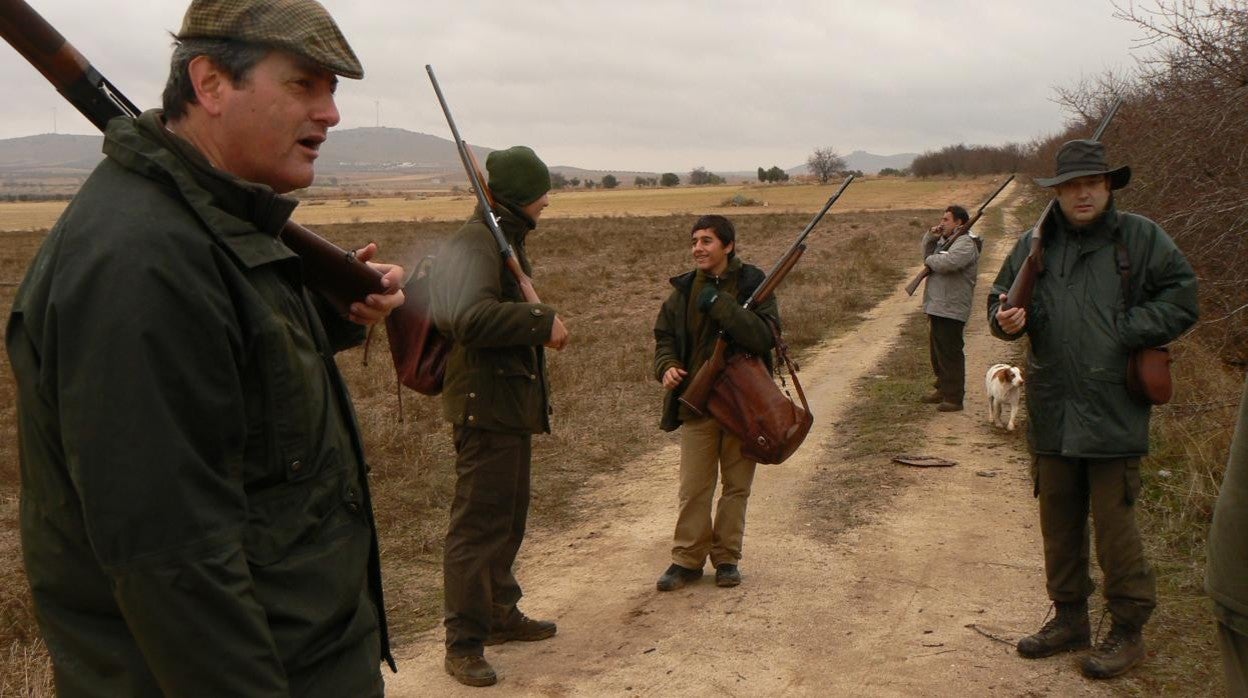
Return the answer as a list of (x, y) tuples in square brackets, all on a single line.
[(707, 297)]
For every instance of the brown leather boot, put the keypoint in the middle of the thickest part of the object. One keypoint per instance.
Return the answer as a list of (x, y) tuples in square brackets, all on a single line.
[(1067, 630), (523, 629), (471, 670), (1121, 649), (932, 398)]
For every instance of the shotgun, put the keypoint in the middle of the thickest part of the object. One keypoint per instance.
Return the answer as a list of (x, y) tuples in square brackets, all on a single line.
[(328, 269), (485, 198), (926, 270), (699, 389), (1033, 266)]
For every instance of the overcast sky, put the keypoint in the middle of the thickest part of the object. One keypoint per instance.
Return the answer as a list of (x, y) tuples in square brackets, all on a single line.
[(641, 85)]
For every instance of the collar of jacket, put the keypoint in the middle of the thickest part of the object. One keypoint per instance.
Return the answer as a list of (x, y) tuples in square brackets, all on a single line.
[(247, 216), (750, 278), (514, 224)]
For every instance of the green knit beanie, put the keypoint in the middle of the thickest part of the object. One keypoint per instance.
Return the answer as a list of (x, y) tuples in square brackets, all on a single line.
[(517, 175)]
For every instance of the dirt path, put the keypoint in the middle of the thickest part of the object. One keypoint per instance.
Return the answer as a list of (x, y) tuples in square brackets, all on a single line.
[(909, 604)]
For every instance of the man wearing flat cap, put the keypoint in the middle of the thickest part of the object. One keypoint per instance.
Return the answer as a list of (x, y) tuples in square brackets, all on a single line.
[(1113, 282), (195, 508), (496, 396)]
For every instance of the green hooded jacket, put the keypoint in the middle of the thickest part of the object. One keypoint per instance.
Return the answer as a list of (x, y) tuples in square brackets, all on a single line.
[(496, 374), (1081, 332), (747, 329), (195, 515)]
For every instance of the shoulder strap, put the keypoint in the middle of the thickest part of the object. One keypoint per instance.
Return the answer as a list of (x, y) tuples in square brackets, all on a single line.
[(1124, 270), (782, 357)]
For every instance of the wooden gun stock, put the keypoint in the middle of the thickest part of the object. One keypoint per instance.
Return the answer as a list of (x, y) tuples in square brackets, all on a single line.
[(330, 270)]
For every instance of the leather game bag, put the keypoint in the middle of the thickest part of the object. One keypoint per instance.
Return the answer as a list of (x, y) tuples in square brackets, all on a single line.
[(1148, 375), (747, 403), (419, 350)]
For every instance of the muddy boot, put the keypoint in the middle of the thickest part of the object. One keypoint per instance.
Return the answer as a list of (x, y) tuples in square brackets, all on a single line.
[(521, 628), (932, 398), (471, 670), (1121, 649), (1067, 630)]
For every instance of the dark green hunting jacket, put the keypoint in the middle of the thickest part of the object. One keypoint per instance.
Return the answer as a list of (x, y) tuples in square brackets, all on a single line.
[(496, 374), (195, 514), (1081, 331), (674, 338)]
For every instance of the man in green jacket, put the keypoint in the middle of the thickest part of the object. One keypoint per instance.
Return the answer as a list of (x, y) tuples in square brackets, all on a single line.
[(496, 396), (703, 303), (953, 256), (1226, 575), (1087, 434), (195, 510)]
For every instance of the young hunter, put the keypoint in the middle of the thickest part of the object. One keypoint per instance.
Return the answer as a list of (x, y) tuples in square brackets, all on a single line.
[(703, 303), (952, 254), (1226, 575), (1087, 434), (195, 504), (496, 397)]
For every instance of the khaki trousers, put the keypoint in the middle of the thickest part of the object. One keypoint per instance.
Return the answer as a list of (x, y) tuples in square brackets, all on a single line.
[(1070, 488), (706, 450)]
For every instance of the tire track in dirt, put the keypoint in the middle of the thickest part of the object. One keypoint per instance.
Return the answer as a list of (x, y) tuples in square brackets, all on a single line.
[(883, 610)]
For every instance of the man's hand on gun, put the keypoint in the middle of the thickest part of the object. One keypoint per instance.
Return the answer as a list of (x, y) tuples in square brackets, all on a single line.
[(376, 306), (1013, 320), (673, 377), (558, 336)]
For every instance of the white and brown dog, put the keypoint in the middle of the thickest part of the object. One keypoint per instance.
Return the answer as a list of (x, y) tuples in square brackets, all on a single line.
[(1004, 384)]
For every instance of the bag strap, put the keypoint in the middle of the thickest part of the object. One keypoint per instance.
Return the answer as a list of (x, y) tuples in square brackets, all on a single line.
[(782, 356), (1124, 270)]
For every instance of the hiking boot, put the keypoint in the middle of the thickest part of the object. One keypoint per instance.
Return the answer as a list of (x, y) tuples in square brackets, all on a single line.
[(1066, 631), (523, 629), (472, 670), (727, 575), (932, 398), (676, 577), (947, 406), (1121, 649)]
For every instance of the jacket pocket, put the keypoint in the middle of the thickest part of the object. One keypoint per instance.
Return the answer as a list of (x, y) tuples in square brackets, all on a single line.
[(516, 389), (289, 516)]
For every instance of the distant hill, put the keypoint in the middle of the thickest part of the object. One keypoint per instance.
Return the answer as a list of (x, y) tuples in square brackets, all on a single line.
[(369, 149), (49, 153), (870, 163)]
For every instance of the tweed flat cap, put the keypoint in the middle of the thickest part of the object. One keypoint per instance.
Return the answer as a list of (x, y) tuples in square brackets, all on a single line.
[(300, 26)]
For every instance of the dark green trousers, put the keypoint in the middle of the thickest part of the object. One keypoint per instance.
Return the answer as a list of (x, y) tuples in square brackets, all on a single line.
[(1233, 640), (1071, 488), (486, 529), (944, 340)]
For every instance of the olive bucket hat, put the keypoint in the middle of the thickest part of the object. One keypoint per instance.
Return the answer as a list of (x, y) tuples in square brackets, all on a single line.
[(1082, 158), (303, 27)]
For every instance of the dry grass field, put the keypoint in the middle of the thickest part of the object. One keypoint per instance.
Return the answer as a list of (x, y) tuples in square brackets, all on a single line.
[(607, 275), (886, 194)]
